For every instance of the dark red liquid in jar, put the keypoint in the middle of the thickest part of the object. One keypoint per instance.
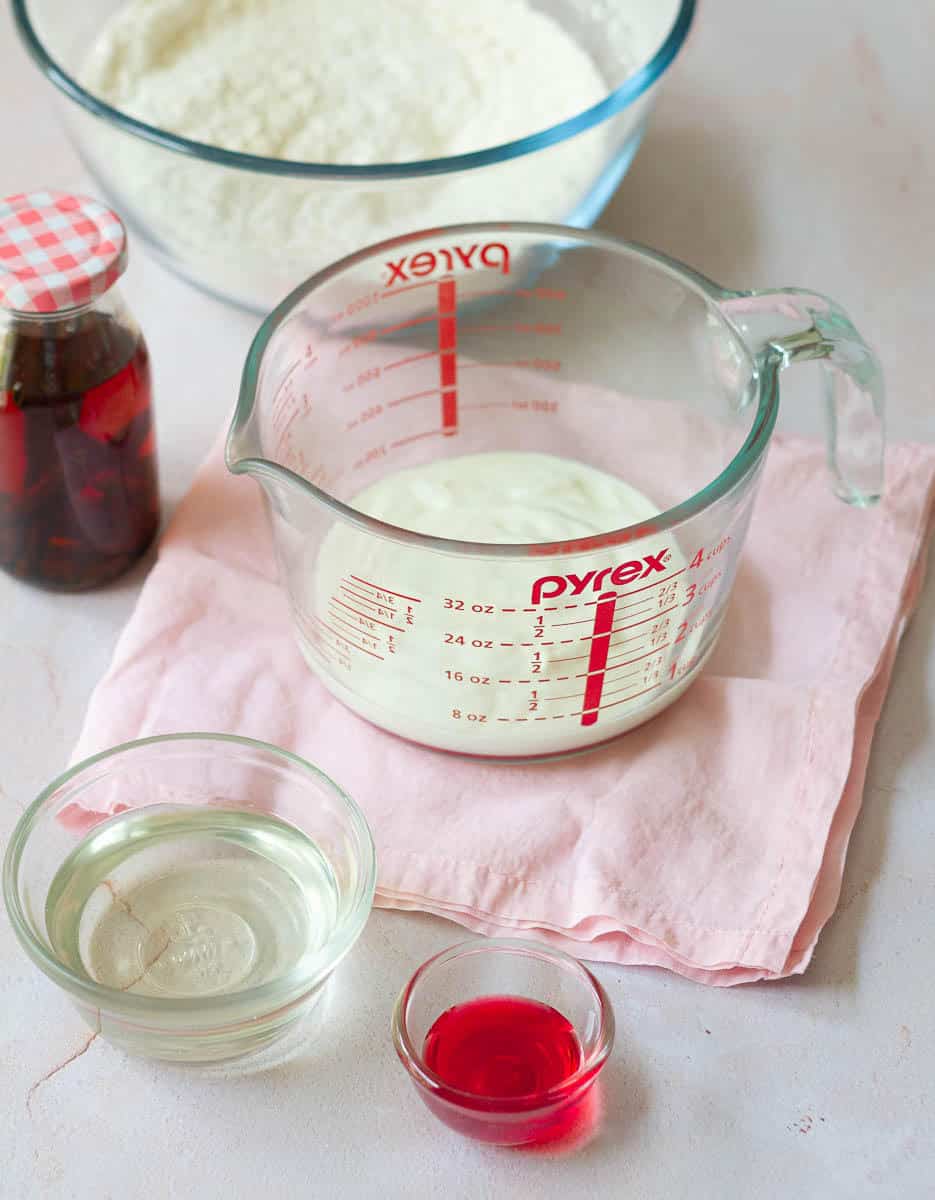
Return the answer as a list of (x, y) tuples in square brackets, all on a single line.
[(502, 1047), (78, 487)]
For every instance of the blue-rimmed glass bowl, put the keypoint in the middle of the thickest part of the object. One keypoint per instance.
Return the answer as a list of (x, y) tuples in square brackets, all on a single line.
[(249, 229)]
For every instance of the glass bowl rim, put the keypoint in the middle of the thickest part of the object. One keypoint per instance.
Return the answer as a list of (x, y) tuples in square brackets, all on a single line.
[(621, 97), (259, 1000), (566, 1091)]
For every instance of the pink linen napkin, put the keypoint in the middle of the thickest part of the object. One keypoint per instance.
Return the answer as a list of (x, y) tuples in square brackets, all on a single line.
[(710, 841)]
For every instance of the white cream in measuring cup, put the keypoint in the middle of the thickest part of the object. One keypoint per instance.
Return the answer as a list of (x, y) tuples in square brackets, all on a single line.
[(511, 469), (522, 672)]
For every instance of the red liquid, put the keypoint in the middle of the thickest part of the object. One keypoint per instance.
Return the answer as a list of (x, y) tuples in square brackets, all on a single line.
[(502, 1047), (78, 490), (512, 1067)]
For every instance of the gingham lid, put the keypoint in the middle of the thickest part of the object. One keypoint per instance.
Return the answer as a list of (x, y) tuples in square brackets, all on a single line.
[(57, 251)]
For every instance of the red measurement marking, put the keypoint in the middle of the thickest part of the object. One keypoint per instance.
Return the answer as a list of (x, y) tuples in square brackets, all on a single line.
[(416, 437), (657, 583), (404, 362), (412, 396), (448, 354), (629, 663), (409, 288), (597, 660), (385, 607), (367, 617), (587, 620), (627, 684), (581, 657), (288, 375), (350, 642), (293, 417), (336, 616), (635, 696), (403, 325), (645, 620), (378, 587), (639, 638)]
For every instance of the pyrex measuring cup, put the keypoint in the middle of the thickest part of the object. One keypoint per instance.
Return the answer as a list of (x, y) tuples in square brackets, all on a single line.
[(539, 339)]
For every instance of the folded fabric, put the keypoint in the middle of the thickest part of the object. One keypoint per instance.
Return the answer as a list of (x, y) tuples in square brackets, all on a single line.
[(710, 841)]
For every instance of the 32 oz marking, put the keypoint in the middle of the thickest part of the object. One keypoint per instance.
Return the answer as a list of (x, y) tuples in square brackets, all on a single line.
[(460, 606)]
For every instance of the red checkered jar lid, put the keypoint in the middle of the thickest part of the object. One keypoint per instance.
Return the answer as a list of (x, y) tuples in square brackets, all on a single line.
[(57, 251)]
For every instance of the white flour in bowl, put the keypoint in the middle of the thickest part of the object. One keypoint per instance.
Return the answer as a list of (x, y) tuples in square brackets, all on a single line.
[(373, 81), (366, 82)]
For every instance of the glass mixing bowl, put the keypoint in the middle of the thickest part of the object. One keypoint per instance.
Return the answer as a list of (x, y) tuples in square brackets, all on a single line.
[(250, 229), (191, 893)]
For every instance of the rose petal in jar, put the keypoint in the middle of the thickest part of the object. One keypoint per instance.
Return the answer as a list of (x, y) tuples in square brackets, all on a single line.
[(104, 489), (108, 410), (12, 446)]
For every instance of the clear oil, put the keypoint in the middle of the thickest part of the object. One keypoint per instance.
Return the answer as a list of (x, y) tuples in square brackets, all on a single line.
[(169, 901)]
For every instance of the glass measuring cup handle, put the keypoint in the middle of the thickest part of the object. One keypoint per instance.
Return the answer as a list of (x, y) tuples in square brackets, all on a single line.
[(793, 326)]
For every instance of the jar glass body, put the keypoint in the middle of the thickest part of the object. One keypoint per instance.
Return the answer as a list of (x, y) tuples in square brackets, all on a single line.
[(79, 500)]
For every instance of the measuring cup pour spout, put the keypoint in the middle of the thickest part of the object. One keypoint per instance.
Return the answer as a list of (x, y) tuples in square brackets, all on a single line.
[(263, 443), (248, 450), (244, 448), (287, 493)]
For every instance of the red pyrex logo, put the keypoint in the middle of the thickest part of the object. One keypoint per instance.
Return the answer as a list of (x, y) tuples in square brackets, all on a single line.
[(494, 256), (550, 586)]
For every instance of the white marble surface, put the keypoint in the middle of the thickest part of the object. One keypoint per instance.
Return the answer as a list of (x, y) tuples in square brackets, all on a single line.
[(793, 146)]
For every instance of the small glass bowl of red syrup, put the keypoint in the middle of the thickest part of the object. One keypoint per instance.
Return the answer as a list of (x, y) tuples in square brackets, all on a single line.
[(504, 1039)]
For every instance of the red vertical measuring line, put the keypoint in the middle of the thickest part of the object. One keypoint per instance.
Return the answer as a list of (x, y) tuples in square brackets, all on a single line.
[(597, 662), (448, 354)]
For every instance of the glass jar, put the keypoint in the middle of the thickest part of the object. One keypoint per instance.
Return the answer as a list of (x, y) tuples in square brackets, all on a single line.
[(78, 484)]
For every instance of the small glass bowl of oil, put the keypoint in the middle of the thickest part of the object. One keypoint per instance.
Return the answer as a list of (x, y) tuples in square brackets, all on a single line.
[(504, 1040), (192, 893)]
